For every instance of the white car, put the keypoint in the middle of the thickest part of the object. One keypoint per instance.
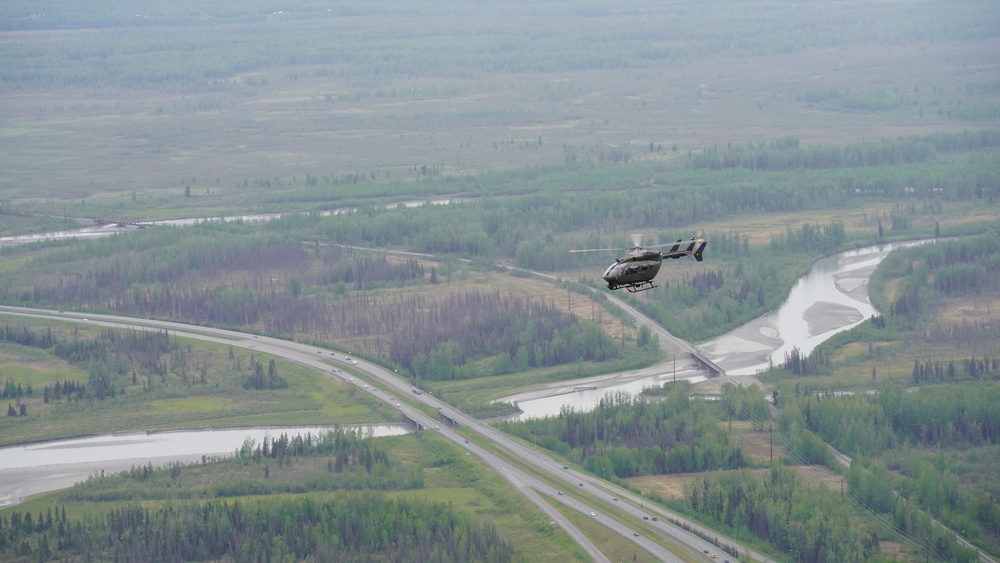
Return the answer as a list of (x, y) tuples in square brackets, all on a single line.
[(366, 386)]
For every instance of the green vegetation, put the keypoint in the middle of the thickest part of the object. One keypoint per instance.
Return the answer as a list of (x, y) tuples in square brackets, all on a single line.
[(932, 443), (627, 436), (783, 133), (812, 522), (241, 508), (151, 380)]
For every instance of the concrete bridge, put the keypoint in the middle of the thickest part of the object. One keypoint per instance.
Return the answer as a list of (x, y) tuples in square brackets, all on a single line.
[(708, 364), (120, 221)]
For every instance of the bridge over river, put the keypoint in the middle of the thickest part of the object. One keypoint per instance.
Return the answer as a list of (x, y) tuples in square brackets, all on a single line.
[(121, 221)]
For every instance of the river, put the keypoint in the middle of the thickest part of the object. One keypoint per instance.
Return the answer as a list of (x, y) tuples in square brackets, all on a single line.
[(97, 231), (45, 466), (832, 297)]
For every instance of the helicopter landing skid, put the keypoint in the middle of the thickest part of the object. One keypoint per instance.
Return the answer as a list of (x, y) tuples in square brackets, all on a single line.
[(635, 287)]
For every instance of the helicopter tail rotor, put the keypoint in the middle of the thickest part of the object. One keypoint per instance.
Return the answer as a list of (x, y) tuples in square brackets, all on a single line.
[(700, 249)]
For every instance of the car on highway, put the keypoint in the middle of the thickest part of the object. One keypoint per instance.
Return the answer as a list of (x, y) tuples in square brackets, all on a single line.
[(593, 514)]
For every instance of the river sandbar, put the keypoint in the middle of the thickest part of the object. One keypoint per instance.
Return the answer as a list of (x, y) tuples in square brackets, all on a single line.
[(824, 316)]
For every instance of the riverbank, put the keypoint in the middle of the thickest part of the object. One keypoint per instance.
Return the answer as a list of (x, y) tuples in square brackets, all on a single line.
[(35, 468), (830, 298)]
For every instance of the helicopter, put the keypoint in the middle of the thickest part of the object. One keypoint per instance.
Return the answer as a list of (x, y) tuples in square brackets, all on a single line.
[(635, 271)]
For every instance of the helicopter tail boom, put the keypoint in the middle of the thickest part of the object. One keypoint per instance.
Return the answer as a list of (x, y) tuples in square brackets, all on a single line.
[(694, 248)]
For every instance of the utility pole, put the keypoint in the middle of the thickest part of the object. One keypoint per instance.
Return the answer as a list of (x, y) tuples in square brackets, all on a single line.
[(770, 442), (730, 397)]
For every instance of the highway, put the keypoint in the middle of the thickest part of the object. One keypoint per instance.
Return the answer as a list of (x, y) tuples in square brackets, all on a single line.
[(529, 470)]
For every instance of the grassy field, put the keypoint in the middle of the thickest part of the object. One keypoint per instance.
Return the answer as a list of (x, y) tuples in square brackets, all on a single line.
[(275, 132), (171, 402)]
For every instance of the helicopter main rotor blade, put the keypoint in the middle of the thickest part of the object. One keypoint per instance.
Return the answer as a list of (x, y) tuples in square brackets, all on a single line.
[(598, 250)]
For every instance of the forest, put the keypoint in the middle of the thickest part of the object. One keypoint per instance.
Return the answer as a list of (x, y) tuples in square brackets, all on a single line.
[(928, 437), (355, 523), (357, 526), (626, 436), (815, 523)]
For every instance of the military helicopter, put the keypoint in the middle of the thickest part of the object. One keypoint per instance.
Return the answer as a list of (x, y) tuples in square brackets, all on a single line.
[(635, 271)]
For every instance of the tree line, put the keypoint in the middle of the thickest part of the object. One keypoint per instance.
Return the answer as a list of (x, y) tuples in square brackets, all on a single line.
[(814, 523), (871, 425), (355, 526), (335, 460), (892, 427), (534, 39), (627, 436), (966, 266), (786, 154)]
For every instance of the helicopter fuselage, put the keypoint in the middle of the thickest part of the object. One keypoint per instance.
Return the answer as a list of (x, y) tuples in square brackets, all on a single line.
[(634, 270)]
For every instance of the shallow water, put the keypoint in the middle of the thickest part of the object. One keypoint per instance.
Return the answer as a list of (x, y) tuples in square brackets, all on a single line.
[(44, 466)]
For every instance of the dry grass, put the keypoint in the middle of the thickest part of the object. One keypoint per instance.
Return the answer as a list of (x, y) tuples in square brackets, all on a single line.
[(977, 308)]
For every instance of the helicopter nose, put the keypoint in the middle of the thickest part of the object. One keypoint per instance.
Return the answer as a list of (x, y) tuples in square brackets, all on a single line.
[(610, 274)]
